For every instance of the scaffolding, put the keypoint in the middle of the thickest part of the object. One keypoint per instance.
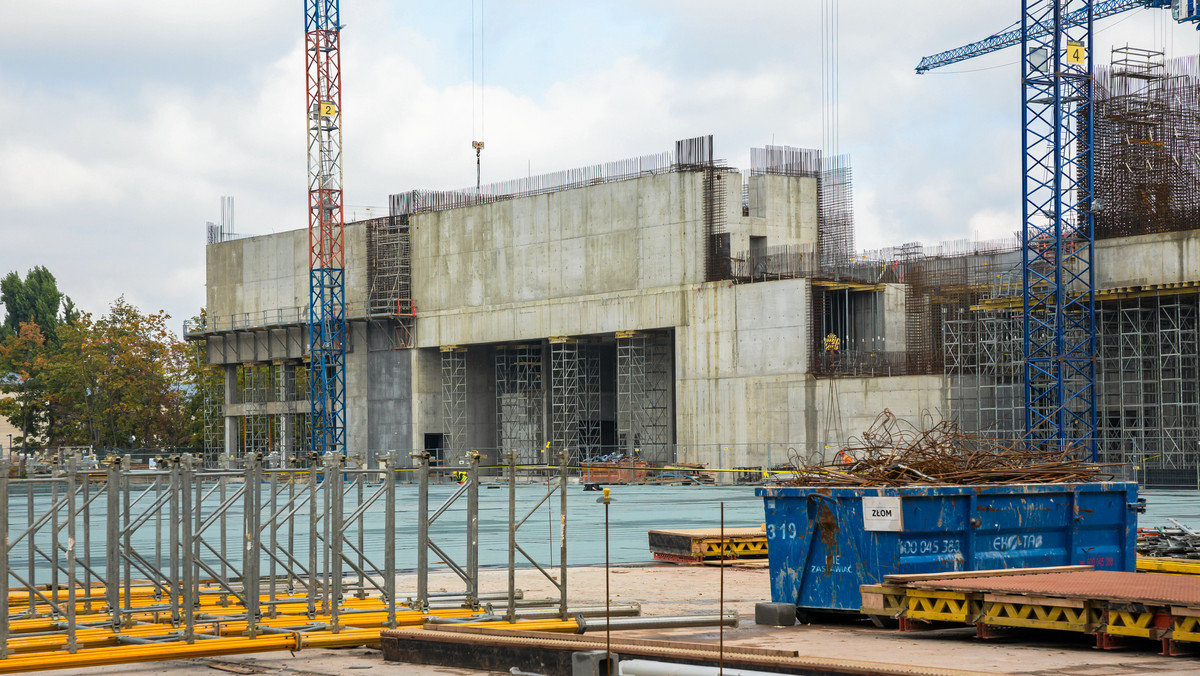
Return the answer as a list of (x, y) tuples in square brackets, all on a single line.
[(591, 396), (257, 427), (454, 399), (566, 395), (631, 390), (1147, 137), (389, 275), (519, 395), (1148, 405), (211, 388)]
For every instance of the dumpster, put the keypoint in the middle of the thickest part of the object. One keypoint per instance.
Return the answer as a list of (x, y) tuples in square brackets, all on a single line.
[(824, 542)]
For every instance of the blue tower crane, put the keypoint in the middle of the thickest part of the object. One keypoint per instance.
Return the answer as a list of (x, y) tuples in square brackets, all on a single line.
[(326, 241), (1057, 231)]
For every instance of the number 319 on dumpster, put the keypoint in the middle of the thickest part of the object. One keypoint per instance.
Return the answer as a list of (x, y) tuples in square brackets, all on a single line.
[(882, 514)]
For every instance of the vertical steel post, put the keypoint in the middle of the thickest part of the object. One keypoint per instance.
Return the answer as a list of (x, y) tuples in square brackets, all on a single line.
[(112, 541), (175, 582), (422, 459), (562, 534), (336, 482), (314, 467), (390, 463), (251, 499), (4, 469), (30, 543), (127, 528), (473, 529), (72, 479), (272, 492), (190, 549), (87, 541), (54, 568), (158, 524), (511, 614)]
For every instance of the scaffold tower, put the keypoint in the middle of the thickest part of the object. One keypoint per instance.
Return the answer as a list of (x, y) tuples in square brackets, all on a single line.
[(327, 302)]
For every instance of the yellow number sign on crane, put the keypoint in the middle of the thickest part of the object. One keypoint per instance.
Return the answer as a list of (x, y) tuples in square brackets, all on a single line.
[(328, 109), (1076, 52)]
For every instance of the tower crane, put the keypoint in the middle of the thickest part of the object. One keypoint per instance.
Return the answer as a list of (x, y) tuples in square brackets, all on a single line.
[(327, 260), (1057, 227)]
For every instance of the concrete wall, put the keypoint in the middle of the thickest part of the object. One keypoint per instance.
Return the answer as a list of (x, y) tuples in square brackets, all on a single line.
[(1168, 258), (611, 238), (389, 400), (781, 208), (267, 276), (739, 356)]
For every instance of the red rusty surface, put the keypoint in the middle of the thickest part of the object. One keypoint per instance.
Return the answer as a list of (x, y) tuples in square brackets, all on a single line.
[(1182, 590)]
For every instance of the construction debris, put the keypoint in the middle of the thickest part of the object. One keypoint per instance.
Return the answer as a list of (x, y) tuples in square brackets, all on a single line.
[(1180, 542), (894, 452)]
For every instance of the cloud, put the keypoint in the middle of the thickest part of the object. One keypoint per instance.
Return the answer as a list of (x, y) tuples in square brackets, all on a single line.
[(125, 123)]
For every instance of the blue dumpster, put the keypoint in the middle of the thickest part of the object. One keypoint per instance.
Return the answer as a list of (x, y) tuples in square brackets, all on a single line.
[(824, 542)]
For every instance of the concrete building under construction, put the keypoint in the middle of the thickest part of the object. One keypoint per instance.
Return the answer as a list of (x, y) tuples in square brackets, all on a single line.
[(674, 309)]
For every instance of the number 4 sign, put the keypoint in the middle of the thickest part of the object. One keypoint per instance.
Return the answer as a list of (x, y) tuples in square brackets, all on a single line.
[(882, 514), (1076, 53)]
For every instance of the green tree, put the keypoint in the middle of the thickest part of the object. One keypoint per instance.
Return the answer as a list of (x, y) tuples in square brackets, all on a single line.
[(35, 299), (122, 380), (24, 360)]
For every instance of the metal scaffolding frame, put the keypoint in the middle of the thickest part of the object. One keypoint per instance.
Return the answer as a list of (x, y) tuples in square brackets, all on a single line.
[(454, 397), (631, 390), (1148, 369), (983, 365), (257, 429), (211, 389), (645, 384), (262, 554), (389, 275), (590, 409), (566, 397), (519, 397), (1149, 408)]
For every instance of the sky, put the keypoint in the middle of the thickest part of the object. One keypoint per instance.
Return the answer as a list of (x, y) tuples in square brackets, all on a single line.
[(125, 121)]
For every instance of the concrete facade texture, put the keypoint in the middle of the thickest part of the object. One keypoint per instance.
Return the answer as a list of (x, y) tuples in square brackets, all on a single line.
[(586, 262)]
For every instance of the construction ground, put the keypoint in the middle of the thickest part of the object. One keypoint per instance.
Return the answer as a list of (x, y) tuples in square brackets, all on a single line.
[(672, 590)]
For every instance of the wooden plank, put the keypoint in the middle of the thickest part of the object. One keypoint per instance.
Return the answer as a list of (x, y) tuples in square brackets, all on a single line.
[(1035, 600), (1000, 572)]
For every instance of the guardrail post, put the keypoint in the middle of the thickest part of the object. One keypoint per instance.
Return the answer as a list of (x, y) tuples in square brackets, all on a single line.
[(391, 462), (562, 535), (473, 529), (422, 459), (511, 614), (190, 549), (71, 572), (314, 578), (337, 485), (4, 469), (251, 498), (112, 541)]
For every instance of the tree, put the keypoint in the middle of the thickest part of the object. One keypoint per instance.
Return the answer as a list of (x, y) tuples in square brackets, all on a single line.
[(122, 380), (36, 299), (24, 359)]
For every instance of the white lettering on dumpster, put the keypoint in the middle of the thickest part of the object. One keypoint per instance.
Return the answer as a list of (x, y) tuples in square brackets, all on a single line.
[(1008, 543), (882, 514), (836, 567)]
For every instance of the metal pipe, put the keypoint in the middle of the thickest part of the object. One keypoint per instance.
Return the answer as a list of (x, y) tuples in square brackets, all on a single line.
[(730, 619)]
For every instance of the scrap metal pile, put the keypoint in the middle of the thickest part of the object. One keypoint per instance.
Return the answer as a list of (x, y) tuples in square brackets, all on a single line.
[(1181, 542), (894, 452)]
